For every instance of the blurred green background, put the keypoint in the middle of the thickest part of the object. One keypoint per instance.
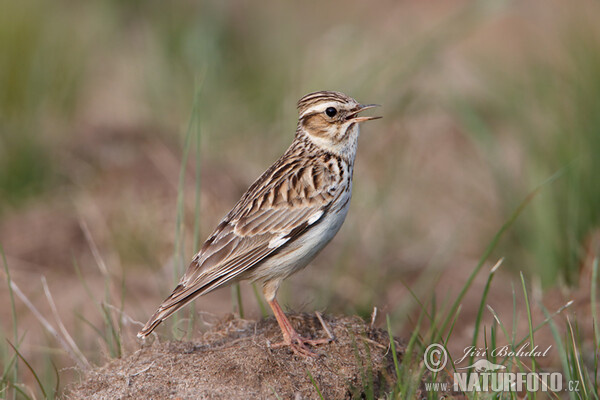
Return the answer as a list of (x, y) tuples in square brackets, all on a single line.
[(483, 102)]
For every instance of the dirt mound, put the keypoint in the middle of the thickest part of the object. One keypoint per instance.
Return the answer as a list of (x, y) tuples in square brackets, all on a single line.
[(234, 360)]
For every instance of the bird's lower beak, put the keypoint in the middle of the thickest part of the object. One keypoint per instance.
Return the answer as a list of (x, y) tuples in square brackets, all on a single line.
[(362, 107)]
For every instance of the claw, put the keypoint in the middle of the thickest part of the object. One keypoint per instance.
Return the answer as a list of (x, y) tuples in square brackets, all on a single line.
[(291, 338), (298, 344)]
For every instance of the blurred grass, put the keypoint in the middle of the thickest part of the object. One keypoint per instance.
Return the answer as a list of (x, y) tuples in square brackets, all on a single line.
[(550, 111), (63, 62), (40, 77), (26, 170)]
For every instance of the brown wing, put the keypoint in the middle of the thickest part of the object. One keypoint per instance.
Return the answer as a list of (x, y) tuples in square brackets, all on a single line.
[(285, 201)]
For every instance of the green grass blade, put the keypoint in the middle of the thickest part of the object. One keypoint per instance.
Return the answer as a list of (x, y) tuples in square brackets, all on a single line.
[(493, 338), (562, 352), (529, 324), (312, 380), (451, 329), (593, 300), (57, 379), (542, 324), (500, 324), (263, 309), (22, 392), (94, 328), (87, 289), (178, 252), (12, 360), (35, 375), (197, 198), (113, 335), (482, 306), (492, 245), (368, 383), (576, 359), (198, 176), (275, 393), (406, 383), (514, 315), (237, 295), (393, 347), (595, 321), (13, 311)]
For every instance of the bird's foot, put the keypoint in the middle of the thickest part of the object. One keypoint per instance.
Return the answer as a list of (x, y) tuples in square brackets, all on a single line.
[(291, 338), (299, 344)]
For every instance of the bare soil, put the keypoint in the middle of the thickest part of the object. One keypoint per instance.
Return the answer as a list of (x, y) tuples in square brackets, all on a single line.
[(235, 360)]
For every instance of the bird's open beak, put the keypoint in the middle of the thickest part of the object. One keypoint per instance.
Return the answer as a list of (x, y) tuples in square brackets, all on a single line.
[(362, 107)]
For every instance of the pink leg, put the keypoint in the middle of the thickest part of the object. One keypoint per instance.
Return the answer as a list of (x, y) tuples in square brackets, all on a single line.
[(291, 337)]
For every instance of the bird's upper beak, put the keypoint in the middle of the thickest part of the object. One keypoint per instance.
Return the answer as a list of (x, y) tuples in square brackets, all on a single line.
[(361, 107)]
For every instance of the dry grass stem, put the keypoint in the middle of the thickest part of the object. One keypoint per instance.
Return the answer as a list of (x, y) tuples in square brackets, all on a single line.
[(69, 340), (81, 363)]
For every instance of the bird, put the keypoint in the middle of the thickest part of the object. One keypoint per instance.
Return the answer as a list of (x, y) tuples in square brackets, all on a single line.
[(285, 218)]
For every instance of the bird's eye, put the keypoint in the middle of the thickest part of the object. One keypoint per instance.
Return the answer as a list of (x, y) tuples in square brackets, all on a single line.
[(330, 111)]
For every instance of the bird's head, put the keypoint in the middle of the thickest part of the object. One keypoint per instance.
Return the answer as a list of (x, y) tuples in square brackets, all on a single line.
[(330, 120)]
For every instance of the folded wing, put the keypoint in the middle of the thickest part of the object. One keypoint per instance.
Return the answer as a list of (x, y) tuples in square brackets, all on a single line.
[(267, 218)]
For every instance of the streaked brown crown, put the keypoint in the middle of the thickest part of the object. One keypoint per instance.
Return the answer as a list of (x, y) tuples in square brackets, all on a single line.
[(324, 96)]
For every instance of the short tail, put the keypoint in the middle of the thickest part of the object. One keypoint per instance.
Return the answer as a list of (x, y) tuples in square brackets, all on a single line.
[(190, 287), (159, 316), (167, 308)]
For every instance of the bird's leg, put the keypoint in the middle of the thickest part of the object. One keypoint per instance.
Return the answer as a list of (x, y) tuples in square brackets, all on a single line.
[(291, 337)]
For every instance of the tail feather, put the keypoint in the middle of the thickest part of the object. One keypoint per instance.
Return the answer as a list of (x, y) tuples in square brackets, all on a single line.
[(166, 310), (187, 291)]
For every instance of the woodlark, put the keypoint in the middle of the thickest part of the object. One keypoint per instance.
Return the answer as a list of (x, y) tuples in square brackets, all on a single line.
[(286, 217)]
